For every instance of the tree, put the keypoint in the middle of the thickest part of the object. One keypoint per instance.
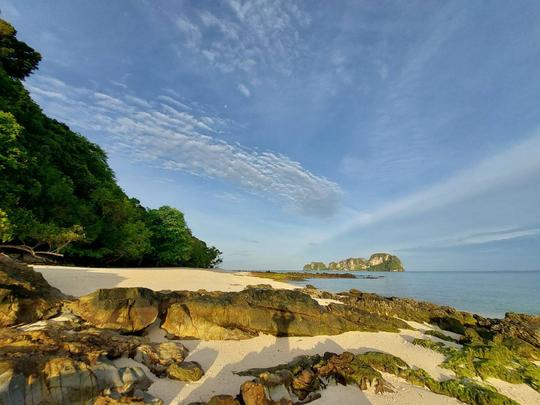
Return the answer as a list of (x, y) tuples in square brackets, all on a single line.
[(203, 256), (59, 191), (6, 230), (171, 237), (16, 57), (10, 130)]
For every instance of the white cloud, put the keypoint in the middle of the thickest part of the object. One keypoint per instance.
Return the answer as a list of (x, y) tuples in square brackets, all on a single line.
[(246, 36), (496, 236), (191, 32), (244, 90), (510, 165), (171, 137)]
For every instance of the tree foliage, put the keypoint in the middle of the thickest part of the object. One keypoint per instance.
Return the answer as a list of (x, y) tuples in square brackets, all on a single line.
[(60, 194), (16, 57), (6, 230), (171, 237)]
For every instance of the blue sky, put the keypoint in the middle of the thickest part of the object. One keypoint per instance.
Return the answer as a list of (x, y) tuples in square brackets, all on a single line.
[(297, 131)]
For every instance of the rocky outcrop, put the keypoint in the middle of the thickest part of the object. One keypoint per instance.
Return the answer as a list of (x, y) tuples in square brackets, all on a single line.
[(124, 309), (301, 380), (70, 363), (241, 315), (376, 262), (25, 296), (315, 266)]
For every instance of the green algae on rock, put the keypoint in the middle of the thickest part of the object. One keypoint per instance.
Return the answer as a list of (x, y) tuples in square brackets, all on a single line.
[(363, 370), (486, 360)]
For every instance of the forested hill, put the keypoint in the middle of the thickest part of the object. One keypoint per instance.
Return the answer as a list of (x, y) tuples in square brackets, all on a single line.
[(58, 195)]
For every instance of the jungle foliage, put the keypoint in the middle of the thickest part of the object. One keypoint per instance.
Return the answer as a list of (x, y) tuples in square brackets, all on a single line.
[(58, 195)]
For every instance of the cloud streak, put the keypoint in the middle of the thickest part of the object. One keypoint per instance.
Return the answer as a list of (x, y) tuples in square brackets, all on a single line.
[(510, 165), (174, 136)]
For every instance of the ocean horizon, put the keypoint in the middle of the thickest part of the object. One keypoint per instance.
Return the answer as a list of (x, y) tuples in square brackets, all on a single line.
[(489, 293)]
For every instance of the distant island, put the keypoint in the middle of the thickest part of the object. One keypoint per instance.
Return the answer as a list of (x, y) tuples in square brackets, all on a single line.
[(376, 262)]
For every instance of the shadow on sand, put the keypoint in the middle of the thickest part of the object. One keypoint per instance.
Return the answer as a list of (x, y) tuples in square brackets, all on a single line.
[(278, 351)]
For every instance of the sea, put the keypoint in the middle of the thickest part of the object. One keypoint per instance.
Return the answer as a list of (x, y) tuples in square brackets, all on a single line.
[(488, 293)]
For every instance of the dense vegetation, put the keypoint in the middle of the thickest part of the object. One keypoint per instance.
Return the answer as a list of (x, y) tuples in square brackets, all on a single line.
[(58, 195)]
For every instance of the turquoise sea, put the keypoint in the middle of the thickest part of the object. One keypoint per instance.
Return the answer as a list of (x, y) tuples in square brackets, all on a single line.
[(489, 293)]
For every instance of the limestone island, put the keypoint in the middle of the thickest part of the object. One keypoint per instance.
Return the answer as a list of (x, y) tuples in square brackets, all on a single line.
[(376, 262)]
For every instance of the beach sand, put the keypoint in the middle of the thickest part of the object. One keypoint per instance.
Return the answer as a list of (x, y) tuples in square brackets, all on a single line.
[(220, 359), (79, 281)]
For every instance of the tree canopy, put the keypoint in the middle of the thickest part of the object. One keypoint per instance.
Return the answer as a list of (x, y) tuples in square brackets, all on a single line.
[(59, 195)]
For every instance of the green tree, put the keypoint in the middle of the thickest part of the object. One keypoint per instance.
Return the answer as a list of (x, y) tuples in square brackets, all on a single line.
[(6, 230), (16, 57), (59, 191), (203, 256), (171, 237)]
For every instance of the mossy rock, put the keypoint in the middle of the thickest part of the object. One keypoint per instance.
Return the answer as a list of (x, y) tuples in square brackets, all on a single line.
[(123, 309), (187, 371)]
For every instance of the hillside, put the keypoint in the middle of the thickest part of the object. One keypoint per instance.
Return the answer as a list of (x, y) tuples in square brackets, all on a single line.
[(58, 195)]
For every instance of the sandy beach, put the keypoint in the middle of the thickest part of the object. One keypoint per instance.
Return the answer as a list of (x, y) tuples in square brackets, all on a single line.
[(220, 359), (79, 281)]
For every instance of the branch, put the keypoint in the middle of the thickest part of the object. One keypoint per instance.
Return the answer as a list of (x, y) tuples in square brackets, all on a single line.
[(41, 252), (31, 251), (24, 248)]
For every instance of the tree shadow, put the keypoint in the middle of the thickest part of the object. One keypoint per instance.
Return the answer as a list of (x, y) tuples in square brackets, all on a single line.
[(78, 281)]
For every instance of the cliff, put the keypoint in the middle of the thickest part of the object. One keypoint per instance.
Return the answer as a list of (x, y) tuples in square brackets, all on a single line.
[(315, 266), (376, 262)]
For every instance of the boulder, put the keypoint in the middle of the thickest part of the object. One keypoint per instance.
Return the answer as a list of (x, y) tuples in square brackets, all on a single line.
[(25, 296), (186, 371), (159, 356), (124, 309)]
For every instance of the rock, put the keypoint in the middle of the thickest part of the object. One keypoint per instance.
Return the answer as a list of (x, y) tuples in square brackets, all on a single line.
[(65, 366), (254, 393), (376, 262), (521, 326), (219, 400), (244, 314), (62, 380), (25, 296), (315, 266), (138, 398), (305, 381), (405, 308), (123, 309), (159, 356), (223, 400), (186, 371)]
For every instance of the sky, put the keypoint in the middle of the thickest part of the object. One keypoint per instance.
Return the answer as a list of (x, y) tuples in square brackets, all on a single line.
[(290, 132)]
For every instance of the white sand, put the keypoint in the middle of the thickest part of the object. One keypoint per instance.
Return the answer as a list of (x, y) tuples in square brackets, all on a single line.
[(79, 281), (220, 358)]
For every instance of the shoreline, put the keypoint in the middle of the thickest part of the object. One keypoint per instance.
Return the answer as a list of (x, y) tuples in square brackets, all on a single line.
[(220, 358)]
